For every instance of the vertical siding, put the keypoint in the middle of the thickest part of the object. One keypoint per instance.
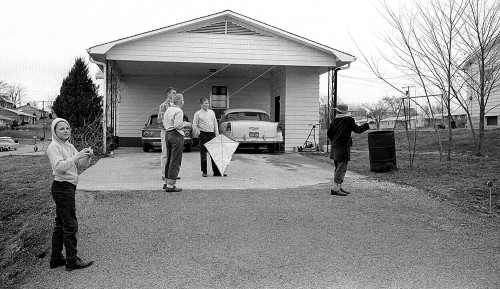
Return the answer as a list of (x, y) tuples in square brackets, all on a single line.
[(301, 104), (142, 95)]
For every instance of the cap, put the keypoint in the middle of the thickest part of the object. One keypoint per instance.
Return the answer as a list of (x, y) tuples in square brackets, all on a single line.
[(342, 108)]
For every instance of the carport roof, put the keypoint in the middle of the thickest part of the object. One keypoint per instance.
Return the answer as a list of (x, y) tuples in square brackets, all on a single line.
[(98, 52)]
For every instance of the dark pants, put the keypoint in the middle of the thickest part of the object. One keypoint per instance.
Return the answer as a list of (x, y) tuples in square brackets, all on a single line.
[(340, 170), (205, 137), (66, 225), (175, 144)]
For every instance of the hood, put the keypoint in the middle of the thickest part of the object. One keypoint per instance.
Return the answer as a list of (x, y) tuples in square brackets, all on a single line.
[(55, 138)]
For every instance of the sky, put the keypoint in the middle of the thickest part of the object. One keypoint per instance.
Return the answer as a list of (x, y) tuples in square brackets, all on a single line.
[(40, 40)]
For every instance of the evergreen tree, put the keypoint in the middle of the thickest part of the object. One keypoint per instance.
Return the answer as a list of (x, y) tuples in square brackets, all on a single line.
[(78, 101)]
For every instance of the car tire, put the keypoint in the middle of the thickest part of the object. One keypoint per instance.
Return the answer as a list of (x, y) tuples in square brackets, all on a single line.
[(189, 147), (145, 148), (271, 148)]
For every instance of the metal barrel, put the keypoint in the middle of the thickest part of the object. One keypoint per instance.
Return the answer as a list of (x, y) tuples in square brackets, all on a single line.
[(382, 150)]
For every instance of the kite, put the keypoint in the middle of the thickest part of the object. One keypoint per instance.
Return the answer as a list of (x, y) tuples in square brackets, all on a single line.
[(221, 149)]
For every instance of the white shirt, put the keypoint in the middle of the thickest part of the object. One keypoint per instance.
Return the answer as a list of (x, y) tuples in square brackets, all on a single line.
[(205, 121), (174, 119)]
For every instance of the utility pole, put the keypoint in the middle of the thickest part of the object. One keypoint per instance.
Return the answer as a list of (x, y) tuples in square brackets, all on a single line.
[(43, 116)]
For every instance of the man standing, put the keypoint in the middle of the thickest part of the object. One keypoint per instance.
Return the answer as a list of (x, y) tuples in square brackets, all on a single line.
[(174, 141), (339, 134), (205, 126), (163, 107)]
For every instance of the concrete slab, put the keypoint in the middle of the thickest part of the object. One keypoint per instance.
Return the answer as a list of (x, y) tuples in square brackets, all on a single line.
[(132, 169)]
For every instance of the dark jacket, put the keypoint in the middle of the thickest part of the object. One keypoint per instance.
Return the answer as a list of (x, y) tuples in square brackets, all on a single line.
[(339, 134)]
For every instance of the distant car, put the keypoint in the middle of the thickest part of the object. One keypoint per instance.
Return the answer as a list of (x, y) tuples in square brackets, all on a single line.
[(7, 143), (251, 127), (151, 134)]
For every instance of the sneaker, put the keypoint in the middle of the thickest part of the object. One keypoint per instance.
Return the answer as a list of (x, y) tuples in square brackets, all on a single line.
[(57, 263), (218, 175), (78, 264), (204, 175), (173, 190), (338, 193)]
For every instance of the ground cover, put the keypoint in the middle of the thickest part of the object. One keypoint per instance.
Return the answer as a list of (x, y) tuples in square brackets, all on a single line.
[(461, 181)]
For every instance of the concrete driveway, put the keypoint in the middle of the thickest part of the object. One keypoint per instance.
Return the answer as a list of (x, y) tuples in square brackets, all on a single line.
[(132, 169), (270, 224)]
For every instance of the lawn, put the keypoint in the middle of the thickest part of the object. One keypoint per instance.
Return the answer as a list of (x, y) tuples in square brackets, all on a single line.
[(461, 181)]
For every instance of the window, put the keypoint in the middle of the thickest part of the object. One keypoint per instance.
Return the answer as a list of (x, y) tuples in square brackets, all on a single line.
[(218, 97), (492, 120)]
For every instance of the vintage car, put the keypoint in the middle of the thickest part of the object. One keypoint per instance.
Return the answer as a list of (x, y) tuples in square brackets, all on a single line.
[(251, 127), (151, 134), (7, 143)]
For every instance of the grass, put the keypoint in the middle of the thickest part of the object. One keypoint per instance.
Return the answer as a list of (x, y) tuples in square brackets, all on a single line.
[(26, 212), (28, 131), (461, 181)]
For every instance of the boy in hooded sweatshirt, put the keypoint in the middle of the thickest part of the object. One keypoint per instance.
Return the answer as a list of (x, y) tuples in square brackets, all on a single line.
[(339, 134), (65, 161)]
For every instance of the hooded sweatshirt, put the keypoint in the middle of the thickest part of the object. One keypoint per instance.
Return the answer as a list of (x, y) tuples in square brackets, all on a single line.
[(63, 158)]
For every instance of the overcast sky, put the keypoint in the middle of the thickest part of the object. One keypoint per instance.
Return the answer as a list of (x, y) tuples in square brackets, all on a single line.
[(39, 40)]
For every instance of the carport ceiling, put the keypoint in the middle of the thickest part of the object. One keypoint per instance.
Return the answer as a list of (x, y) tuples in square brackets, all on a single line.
[(193, 69)]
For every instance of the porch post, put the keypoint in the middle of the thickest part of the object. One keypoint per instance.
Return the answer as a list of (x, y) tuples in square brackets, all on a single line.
[(104, 102)]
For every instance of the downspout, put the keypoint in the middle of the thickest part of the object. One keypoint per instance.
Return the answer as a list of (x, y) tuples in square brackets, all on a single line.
[(335, 70), (104, 136)]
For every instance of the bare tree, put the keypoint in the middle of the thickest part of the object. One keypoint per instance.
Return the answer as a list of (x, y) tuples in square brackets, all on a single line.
[(16, 93), (376, 111), (481, 39), (4, 88)]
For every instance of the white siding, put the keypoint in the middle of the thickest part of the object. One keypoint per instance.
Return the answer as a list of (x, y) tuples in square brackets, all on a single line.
[(142, 95), (220, 48), (301, 104)]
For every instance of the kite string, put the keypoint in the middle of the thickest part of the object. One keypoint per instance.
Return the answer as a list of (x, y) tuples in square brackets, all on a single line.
[(156, 107), (250, 82)]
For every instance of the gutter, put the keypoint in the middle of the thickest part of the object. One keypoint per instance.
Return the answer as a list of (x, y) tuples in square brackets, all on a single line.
[(335, 70)]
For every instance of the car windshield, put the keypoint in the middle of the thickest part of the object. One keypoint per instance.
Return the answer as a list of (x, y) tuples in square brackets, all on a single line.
[(247, 115)]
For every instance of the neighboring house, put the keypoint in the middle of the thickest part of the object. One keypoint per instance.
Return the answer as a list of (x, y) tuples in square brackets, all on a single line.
[(492, 109), (31, 110), (5, 102), (5, 121), (395, 122), (233, 60), (19, 116)]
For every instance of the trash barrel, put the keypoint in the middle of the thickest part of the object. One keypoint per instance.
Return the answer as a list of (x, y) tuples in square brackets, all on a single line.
[(382, 151)]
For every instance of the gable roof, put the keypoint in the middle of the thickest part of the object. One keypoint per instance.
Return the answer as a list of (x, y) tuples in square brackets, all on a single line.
[(225, 22)]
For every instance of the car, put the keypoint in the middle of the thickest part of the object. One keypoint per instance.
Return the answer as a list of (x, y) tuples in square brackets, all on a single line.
[(7, 143), (151, 134), (251, 127)]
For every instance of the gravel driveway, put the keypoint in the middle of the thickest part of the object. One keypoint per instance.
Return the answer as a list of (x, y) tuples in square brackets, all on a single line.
[(381, 236)]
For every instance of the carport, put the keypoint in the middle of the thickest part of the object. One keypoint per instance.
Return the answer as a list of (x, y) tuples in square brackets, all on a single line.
[(233, 60)]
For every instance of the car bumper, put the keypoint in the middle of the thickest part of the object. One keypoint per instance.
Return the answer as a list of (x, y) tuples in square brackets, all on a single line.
[(156, 142)]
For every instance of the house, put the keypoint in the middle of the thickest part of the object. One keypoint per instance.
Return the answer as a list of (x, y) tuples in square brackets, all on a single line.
[(18, 116), (31, 110), (231, 59), (398, 122), (5, 102), (492, 77), (5, 121)]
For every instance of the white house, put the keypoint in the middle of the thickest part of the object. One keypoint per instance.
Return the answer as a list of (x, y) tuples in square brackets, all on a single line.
[(492, 108), (233, 60), (398, 122)]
